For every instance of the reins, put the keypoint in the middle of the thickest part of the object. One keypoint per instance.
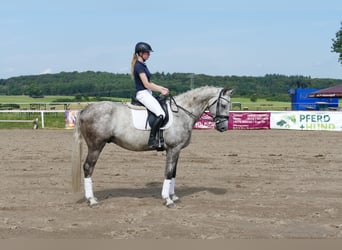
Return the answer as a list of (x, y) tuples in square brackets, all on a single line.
[(172, 100)]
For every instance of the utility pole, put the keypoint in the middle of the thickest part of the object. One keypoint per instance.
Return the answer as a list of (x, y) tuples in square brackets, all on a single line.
[(192, 76)]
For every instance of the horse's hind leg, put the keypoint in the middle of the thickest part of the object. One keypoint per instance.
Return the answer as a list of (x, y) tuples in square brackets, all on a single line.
[(88, 168)]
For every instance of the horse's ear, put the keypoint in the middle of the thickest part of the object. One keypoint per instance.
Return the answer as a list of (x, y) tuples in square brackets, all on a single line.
[(228, 92)]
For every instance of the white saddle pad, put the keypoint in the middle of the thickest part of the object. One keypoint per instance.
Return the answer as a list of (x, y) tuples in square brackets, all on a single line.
[(140, 115)]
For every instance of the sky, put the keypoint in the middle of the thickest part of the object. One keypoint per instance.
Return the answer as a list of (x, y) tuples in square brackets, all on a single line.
[(213, 37)]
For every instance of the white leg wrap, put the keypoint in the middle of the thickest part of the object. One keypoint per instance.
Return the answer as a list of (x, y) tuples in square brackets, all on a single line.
[(173, 197), (166, 189), (172, 186), (88, 188)]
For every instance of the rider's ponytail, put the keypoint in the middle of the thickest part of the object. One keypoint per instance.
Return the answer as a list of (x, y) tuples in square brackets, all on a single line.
[(134, 60)]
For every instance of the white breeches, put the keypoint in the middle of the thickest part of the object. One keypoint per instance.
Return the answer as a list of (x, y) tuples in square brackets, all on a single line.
[(146, 98)]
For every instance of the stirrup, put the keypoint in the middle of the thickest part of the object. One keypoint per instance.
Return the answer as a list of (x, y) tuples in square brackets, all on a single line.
[(160, 141), (160, 148), (153, 144), (157, 144)]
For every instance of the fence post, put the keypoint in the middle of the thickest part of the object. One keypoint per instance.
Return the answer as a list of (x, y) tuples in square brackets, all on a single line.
[(42, 114)]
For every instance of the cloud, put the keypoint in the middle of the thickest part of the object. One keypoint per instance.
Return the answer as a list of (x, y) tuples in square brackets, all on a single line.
[(46, 71)]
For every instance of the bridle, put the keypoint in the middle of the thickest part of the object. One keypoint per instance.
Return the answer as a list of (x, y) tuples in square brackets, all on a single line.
[(217, 117)]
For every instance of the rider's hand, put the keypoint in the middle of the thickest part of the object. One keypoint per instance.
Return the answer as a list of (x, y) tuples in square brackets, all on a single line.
[(165, 91)]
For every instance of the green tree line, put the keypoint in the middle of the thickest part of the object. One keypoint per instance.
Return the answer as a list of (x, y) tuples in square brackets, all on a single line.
[(105, 84)]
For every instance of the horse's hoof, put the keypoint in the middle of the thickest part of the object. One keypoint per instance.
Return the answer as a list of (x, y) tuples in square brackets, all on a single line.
[(169, 203), (175, 198), (92, 202)]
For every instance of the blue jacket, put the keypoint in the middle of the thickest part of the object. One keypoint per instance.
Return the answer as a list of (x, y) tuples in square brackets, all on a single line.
[(140, 67)]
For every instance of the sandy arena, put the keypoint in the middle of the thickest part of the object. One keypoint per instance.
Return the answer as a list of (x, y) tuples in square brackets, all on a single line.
[(257, 184)]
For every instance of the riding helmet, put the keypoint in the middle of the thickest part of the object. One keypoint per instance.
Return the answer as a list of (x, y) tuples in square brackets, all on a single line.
[(142, 47)]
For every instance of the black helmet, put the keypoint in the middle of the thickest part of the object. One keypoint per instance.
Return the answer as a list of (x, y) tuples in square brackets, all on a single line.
[(142, 47)]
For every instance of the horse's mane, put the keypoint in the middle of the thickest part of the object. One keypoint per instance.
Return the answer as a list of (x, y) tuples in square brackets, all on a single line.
[(210, 90)]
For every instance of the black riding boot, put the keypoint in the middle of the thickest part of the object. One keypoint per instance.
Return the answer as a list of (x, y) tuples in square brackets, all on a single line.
[(153, 142)]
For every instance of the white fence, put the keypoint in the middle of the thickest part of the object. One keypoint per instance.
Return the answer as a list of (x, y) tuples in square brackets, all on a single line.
[(298, 120), (41, 112)]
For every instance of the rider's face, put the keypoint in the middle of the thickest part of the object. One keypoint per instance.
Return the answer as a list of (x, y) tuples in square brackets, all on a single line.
[(145, 55)]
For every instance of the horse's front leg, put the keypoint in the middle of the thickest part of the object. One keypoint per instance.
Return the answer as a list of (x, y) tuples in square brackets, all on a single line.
[(168, 191)]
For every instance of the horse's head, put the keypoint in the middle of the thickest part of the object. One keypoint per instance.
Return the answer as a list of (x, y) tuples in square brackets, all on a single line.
[(219, 108)]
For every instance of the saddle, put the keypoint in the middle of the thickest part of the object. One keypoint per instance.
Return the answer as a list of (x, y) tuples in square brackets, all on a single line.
[(148, 118), (151, 117)]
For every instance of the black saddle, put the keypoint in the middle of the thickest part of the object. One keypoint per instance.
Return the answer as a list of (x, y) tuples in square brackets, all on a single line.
[(151, 116)]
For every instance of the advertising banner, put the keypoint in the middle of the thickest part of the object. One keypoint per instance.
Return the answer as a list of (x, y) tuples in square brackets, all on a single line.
[(249, 120), (70, 118), (205, 122), (307, 120)]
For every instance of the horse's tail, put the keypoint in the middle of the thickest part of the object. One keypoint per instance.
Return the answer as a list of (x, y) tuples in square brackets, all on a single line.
[(76, 157)]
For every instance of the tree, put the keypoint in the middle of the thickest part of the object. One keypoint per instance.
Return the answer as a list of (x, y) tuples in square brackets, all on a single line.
[(337, 44), (35, 91), (254, 98)]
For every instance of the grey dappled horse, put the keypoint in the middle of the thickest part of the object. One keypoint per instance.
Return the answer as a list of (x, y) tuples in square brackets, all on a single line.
[(105, 122)]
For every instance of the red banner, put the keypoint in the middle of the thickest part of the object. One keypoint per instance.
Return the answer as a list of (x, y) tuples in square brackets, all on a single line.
[(249, 120), (205, 122)]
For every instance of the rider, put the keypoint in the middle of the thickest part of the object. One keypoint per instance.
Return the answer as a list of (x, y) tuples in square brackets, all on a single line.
[(144, 88)]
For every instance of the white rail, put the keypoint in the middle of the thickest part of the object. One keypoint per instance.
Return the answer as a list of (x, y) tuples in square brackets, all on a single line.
[(42, 112)]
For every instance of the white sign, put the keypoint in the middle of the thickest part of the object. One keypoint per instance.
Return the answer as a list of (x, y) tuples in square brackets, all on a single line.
[(307, 120)]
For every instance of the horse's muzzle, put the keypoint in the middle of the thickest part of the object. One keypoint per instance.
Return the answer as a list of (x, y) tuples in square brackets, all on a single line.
[(221, 124)]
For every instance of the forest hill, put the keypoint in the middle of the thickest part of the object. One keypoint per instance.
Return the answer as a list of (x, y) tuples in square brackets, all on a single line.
[(274, 87)]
